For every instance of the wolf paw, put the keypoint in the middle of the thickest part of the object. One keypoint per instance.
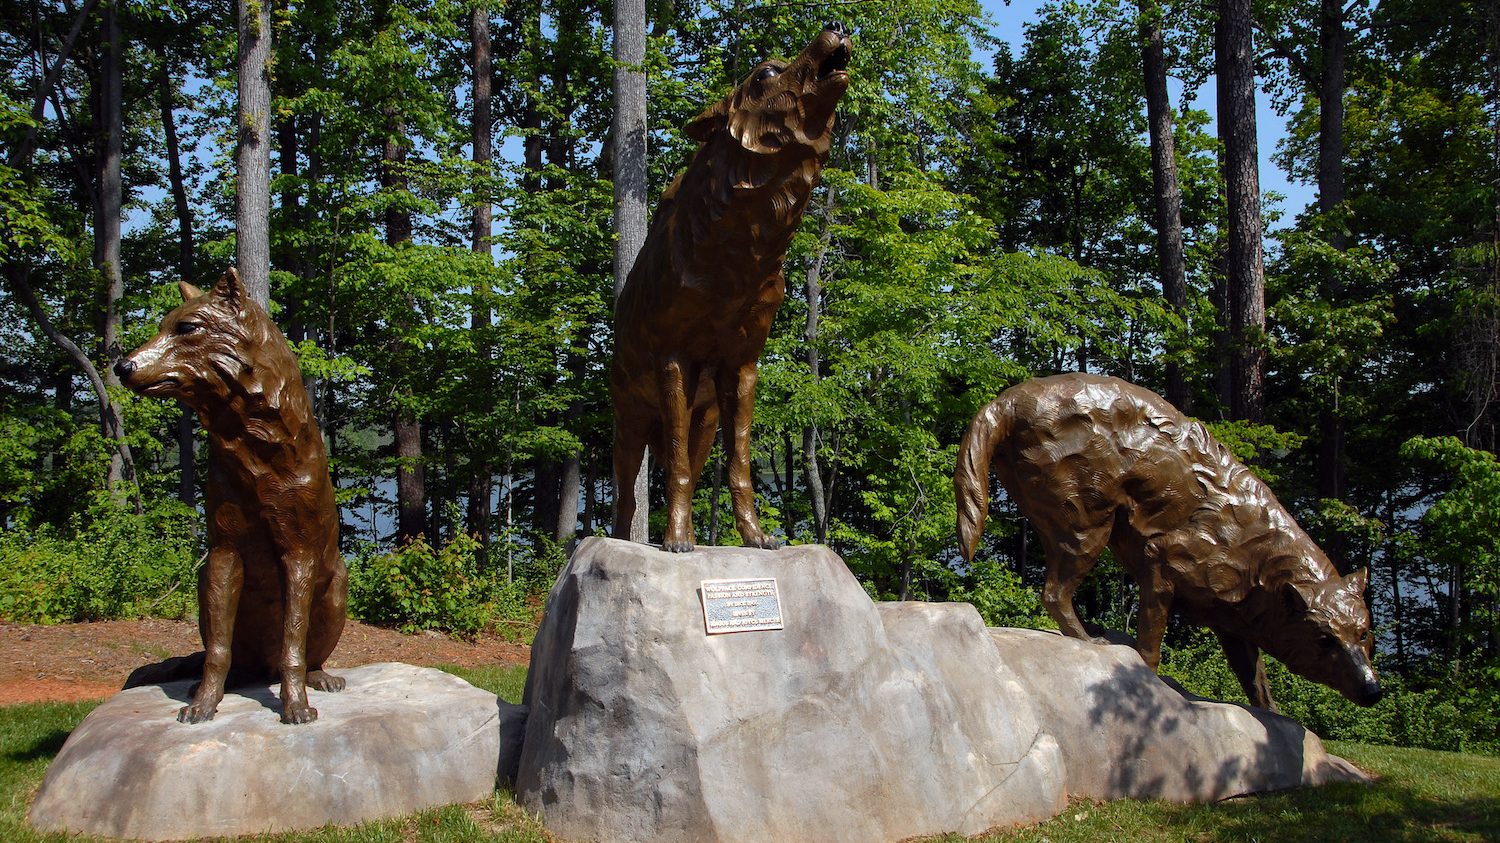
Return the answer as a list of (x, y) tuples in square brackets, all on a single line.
[(294, 713), (196, 713), (764, 542), (321, 681), (677, 546)]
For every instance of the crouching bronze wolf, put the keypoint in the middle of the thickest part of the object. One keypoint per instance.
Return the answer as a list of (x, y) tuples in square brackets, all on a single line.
[(1095, 462), (695, 311), (271, 599)]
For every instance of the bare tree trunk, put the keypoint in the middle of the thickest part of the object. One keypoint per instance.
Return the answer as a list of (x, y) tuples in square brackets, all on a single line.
[(567, 499), (1332, 42), (1246, 271), (108, 220), (252, 181), (812, 472), (477, 518), (411, 478), (1168, 194), (628, 128), (186, 458)]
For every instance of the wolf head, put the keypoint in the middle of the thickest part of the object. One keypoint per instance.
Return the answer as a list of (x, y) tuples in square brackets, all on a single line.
[(784, 105), (208, 348), (1323, 634)]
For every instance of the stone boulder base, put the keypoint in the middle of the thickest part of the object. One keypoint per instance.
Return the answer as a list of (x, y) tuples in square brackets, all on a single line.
[(398, 739), (1124, 732), (857, 722), (851, 724)]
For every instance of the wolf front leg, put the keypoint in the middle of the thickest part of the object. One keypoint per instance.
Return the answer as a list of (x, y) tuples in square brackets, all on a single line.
[(297, 598), (219, 584), (736, 388), (1244, 659)]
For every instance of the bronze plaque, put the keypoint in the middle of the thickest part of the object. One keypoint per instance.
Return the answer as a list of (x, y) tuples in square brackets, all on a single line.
[(743, 605)]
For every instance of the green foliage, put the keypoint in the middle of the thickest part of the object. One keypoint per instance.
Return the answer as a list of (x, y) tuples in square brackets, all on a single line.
[(1448, 716), (416, 587), (108, 564), (1255, 445), (1002, 599)]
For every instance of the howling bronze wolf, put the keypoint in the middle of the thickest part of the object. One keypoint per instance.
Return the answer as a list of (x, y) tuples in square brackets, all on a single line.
[(695, 311), (271, 600), (1095, 462)]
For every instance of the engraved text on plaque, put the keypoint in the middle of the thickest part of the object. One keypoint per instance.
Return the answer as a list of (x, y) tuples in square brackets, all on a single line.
[(744, 605)]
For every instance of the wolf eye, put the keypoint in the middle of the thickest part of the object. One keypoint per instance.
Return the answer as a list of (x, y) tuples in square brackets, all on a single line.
[(187, 327), (767, 73)]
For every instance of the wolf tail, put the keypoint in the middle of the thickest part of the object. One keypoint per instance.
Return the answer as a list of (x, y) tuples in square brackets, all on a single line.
[(971, 477), (169, 670)]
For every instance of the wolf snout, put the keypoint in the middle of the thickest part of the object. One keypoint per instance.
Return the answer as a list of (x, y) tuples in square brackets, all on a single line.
[(124, 367)]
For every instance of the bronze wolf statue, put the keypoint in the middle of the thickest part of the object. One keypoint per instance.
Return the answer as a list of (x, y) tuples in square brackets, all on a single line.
[(271, 599), (695, 311), (1096, 462)]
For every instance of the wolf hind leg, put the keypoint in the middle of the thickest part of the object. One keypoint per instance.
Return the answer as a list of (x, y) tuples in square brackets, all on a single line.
[(629, 451), (1066, 568)]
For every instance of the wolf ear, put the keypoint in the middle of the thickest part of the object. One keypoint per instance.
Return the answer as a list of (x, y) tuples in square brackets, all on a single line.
[(712, 120), (188, 291), (229, 287), (1358, 581), (1295, 598)]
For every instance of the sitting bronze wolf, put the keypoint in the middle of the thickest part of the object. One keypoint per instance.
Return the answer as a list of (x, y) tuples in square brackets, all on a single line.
[(1095, 462), (695, 311), (271, 600)]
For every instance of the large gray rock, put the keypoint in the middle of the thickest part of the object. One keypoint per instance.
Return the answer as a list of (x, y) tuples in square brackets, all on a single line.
[(399, 738), (1125, 732), (856, 722), (851, 724)]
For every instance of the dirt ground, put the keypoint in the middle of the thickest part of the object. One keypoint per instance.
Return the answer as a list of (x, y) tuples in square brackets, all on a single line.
[(91, 660)]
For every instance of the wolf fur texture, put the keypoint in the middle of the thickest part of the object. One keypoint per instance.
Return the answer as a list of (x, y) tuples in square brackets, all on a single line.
[(695, 311), (1095, 462), (271, 598)]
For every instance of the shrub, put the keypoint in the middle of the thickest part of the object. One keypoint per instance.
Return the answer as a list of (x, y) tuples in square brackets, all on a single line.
[(416, 587), (109, 563), (1440, 717), (1001, 598)]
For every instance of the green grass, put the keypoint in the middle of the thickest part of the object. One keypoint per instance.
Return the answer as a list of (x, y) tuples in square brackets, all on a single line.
[(1421, 796)]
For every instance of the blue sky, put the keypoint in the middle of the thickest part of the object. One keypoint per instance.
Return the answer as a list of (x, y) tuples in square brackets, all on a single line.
[(1011, 19)]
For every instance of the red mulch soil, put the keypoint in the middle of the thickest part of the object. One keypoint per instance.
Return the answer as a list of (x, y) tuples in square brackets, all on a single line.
[(88, 661)]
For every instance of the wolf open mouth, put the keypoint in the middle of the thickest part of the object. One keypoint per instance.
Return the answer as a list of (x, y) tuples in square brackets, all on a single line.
[(837, 62)]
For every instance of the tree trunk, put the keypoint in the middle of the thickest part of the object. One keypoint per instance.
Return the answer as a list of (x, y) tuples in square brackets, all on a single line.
[(1246, 272), (477, 517), (1168, 195), (252, 181), (812, 473), (186, 458), (628, 128), (567, 503), (411, 479), (1332, 41), (108, 220), (20, 285)]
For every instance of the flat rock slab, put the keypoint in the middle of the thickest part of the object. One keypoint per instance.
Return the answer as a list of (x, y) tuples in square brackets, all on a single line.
[(852, 723), (398, 739)]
